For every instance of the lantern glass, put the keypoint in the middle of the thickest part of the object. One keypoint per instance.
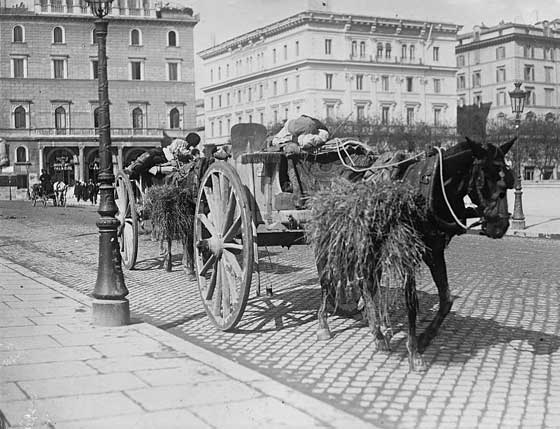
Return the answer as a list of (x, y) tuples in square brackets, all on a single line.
[(517, 97), (100, 8)]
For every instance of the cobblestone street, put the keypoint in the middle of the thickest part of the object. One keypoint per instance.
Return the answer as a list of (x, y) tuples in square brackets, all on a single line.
[(494, 364)]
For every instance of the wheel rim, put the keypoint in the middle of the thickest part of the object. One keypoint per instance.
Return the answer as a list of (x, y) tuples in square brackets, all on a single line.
[(127, 231), (223, 237)]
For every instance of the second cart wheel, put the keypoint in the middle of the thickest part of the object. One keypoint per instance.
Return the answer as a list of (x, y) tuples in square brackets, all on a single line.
[(223, 238), (127, 231)]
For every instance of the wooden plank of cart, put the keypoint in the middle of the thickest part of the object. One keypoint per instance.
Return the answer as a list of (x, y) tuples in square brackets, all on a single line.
[(241, 206)]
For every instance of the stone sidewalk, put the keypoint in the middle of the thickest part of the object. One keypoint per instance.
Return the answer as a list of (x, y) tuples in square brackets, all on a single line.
[(59, 371)]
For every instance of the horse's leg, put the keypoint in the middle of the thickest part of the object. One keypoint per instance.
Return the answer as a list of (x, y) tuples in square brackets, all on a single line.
[(415, 361), (370, 295), (436, 262), (168, 256), (323, 331), (188, 256)]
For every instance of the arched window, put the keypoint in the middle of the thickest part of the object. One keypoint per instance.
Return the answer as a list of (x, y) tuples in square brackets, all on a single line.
[(58, 35), (411, 51), (21, 154), (18, 35), (387, 50), (403, 52), (93, 37), (172, 38), (379, 50), (96, 118), (135, 38), (137, 119), (60, 119), (20, 117), (174, 118)]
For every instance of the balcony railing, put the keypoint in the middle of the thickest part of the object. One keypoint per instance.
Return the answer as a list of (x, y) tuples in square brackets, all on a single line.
[(93, 132)]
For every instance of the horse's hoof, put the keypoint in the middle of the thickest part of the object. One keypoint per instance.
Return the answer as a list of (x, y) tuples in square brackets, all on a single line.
[(381, 345), (416, 363), (269, 293), (324, 334)]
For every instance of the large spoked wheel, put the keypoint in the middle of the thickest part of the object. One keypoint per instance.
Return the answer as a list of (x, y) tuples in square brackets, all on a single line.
[(127, 231), (224, 252)]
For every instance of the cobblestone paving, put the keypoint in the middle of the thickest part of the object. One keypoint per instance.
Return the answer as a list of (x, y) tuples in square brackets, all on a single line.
[(494, 364)]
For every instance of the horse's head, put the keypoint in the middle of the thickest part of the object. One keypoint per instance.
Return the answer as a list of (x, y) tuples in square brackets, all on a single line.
[(490, 179)]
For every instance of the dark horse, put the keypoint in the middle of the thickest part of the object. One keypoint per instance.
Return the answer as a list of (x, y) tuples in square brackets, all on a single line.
[(469, 168)]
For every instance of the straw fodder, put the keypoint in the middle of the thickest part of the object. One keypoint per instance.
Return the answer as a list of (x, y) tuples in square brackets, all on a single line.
[(171, 210), (366, 235)]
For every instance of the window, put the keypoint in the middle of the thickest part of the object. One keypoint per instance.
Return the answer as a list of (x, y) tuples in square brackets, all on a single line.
[(437, 86), (135, 37), (275, 88), (220, 128), (359, 82), (548, 96), (228, 99), (528, 173), (501, 98), (435, 53), (548, 54), (228, 125), (18, 34), (328, 46), (136, 70), (220, 100), (297, 51), (461, 102), (461, 81), (261, 91), (409, 84), (384, 83), (172, 38), (354, 48), (385, 115), (285, 52), (261, 118), (211, 103), (411, 51), (403, 52), (20, 117), (21, 154), (212, 128), (437, 117), (500, 52), (409, 115), (60, 120), (250, 119), (285, 85), (548, 74), (360, 113), (501, 74), (19, 67), (476, 56), (476, 79), (286, 112), (460, 61), (137, 119), (173, 71), (328, 80), (275, 116), (58, 35), (238, 96), (529, 72), (249, 94), (93, 37), (94, 69), (477, 99), (274, 56), (387, 50), (96, 118), (330, 111), (547, 173), (297, 83), (379, 53), (211, 75), (529, 51), (362, 49), (59, 69), (174, 118)]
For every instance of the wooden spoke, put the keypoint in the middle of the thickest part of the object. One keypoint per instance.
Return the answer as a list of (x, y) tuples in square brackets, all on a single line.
[(218, 296), (207, 223), (226, 281), (211, 260), (233, 246), (229, 211), (232, 267), (210, 199), (213, 279), (233, 230), (216, 195)]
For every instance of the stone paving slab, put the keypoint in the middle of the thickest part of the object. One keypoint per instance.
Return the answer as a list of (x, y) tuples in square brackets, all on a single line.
[(71, 374)]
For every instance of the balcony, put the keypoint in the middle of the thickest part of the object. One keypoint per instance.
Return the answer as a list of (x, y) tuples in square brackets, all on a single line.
[(83, 132)]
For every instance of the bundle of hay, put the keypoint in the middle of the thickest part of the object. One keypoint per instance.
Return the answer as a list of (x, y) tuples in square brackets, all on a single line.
[(361, 230), (171, 209)]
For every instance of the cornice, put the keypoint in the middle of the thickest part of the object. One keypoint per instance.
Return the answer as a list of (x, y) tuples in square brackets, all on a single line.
[(499, 40)]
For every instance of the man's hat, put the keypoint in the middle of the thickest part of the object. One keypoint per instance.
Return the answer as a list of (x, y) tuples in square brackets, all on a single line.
[(192, 139)]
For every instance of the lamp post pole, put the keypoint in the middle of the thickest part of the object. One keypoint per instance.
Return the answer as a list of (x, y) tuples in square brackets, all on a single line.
[(110, 307), (518, 97)]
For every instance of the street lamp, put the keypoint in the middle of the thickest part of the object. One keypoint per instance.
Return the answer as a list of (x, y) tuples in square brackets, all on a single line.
[(110, 307), (517, 97)]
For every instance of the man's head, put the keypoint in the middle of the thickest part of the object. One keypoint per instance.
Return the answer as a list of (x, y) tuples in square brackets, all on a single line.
[(180, 149), (193, 139)]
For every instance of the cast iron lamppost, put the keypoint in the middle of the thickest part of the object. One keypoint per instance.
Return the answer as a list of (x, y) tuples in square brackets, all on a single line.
[(517, 97), (110, 307)]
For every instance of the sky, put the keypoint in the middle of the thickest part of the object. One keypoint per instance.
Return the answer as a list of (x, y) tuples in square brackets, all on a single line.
[(221, 20)]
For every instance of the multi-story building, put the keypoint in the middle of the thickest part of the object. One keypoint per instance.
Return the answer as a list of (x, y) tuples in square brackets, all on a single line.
[(49, 87), (490, 59), (332, 65)]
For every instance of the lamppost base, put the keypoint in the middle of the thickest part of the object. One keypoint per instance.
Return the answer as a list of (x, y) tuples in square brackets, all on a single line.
[(111, 312), (518, 224)]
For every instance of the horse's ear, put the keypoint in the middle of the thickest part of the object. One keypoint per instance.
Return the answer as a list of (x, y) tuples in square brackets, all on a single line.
[(507, 146), (476, 148), (166, 140)]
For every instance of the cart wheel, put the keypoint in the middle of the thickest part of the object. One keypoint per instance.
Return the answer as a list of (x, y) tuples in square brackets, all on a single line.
[(223, 251), (128, 218)]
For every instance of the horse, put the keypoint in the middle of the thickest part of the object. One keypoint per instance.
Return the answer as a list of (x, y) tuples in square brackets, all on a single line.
[(444, 178)]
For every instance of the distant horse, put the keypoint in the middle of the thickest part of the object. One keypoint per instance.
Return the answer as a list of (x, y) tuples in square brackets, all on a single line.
[(444, 179)]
